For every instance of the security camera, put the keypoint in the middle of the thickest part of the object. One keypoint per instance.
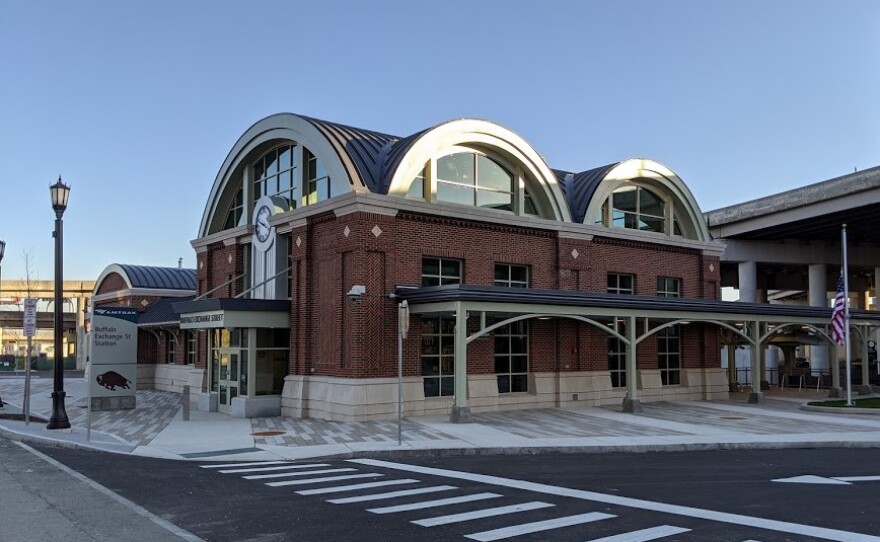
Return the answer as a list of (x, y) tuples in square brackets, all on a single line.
[(356, 292)]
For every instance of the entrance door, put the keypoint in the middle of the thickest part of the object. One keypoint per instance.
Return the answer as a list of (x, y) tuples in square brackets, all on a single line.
[(227, 379)]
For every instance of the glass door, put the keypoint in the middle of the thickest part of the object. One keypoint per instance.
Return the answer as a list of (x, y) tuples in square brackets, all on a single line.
[(227, 379)]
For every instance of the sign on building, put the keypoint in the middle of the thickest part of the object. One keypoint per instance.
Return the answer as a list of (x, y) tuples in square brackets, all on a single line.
[(113, 358)]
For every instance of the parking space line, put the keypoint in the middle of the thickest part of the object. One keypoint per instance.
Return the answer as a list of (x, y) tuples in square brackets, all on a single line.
[(643, 535), (266, 469), (294, 473), (433, 504), (388, 495), (484, 513), (322, 480), (538, 526), (230, 465), (355, 487)]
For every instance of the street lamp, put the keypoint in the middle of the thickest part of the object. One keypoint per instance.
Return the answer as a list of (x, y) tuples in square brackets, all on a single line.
[(58, 420), (2, 250)]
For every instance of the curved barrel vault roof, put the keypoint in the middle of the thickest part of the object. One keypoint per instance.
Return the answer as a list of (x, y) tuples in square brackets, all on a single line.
[(150, 277), (367, 161)]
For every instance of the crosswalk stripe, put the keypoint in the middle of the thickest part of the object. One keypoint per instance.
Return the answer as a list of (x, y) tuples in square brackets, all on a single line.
[(283, 467), (485, 513), (355, 487), (538, 526), (228, 465), (322, 480), (432, 504), (388, 495), (751, 540), (644, 535), (295, 473)]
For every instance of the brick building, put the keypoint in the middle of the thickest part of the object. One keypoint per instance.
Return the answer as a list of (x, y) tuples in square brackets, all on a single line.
[(519, 286)]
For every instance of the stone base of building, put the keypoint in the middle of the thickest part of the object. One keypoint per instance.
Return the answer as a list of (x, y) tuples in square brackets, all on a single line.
[(256, 407), (352, 399), (127, 402)]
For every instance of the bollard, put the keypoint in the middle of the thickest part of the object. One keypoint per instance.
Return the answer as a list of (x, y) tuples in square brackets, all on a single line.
[(186, 403)]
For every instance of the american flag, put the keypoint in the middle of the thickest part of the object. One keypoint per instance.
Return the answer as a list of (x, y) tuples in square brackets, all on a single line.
[(838, 324)]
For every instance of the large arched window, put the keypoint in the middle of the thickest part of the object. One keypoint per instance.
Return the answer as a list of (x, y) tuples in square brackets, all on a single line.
[(475, 179), (635, 207), (290, 172)]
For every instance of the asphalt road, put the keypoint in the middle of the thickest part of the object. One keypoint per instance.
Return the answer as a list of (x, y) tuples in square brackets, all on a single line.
[(700, 496)]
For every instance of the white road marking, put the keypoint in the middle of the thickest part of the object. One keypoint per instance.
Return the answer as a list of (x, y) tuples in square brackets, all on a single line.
[(811, 479), (388, 495), (644, 535), (355, 487), (294, 473), (538, 526), (322, 480), (229, 465), (433, 504), (484, 513), (266, 469), (711, 515), (857, 478)]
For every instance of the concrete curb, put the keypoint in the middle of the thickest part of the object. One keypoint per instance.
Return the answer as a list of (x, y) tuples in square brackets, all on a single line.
[(487, 451), (842, 410)]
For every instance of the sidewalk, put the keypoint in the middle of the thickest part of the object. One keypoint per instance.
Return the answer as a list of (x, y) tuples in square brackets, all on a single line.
[(156, 428)]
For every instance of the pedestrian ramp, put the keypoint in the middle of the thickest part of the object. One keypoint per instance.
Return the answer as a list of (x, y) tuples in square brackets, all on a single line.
[(423, 502)]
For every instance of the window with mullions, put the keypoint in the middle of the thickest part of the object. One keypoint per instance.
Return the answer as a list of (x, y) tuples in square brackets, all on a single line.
[(617, 357), (634, 207), (669, 355), (668, 287), (170, 347), (619, 283), (438, 355), (317, 183), (469, 178), (190, 347), (440, 271), (275, 174), (511, 275), (512, 357), (236, 208)]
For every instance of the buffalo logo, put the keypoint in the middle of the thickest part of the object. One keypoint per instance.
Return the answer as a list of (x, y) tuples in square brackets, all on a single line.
[(111, 379)]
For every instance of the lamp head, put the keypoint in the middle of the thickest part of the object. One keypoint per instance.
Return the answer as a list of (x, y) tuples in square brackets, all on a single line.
[(59, 192), (356, 292), (2, 249)]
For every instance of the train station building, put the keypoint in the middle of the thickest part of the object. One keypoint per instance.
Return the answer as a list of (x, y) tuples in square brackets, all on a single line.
[(336, 263)]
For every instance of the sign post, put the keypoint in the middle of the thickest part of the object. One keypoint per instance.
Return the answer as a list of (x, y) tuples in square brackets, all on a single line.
[(30, 329)]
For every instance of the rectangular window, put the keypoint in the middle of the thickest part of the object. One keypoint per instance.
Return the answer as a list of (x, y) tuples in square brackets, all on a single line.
[(438, 355), (440, 271), (511, 275), (275, 174), (617, 356), (417, 187), (512, 357), (170, 346), (668, 287), (621, 284), (669, 355), (190, 347)]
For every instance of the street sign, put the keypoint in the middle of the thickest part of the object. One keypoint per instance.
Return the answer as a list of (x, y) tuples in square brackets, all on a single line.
[(30, 317)]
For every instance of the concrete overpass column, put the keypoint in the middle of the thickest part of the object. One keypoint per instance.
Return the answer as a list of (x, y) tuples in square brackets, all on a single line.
[(748, 282), (818, 293), (756, 395)]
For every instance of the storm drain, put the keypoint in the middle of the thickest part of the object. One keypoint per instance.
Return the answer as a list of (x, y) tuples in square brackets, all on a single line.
[(268, 433)]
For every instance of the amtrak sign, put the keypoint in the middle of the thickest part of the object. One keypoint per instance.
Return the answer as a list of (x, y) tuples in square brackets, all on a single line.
[(113, 358)]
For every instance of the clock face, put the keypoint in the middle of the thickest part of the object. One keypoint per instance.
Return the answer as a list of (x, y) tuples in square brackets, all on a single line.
[(261, 223)]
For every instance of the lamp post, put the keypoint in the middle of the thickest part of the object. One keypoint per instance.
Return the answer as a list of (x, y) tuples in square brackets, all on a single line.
[(58, 420), (2, 250)]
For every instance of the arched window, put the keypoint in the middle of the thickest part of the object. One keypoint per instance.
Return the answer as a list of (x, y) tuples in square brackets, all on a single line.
[(634, 207), (275, 174), (472, 178)]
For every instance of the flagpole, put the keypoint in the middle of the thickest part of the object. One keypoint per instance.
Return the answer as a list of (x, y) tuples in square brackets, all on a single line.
[(846, 318)]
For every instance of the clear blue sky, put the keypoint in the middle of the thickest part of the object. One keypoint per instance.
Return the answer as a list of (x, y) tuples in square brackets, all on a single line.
[(136, 104)]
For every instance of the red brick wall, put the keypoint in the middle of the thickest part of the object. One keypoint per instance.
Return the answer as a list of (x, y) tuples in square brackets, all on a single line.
[(331, 335)]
